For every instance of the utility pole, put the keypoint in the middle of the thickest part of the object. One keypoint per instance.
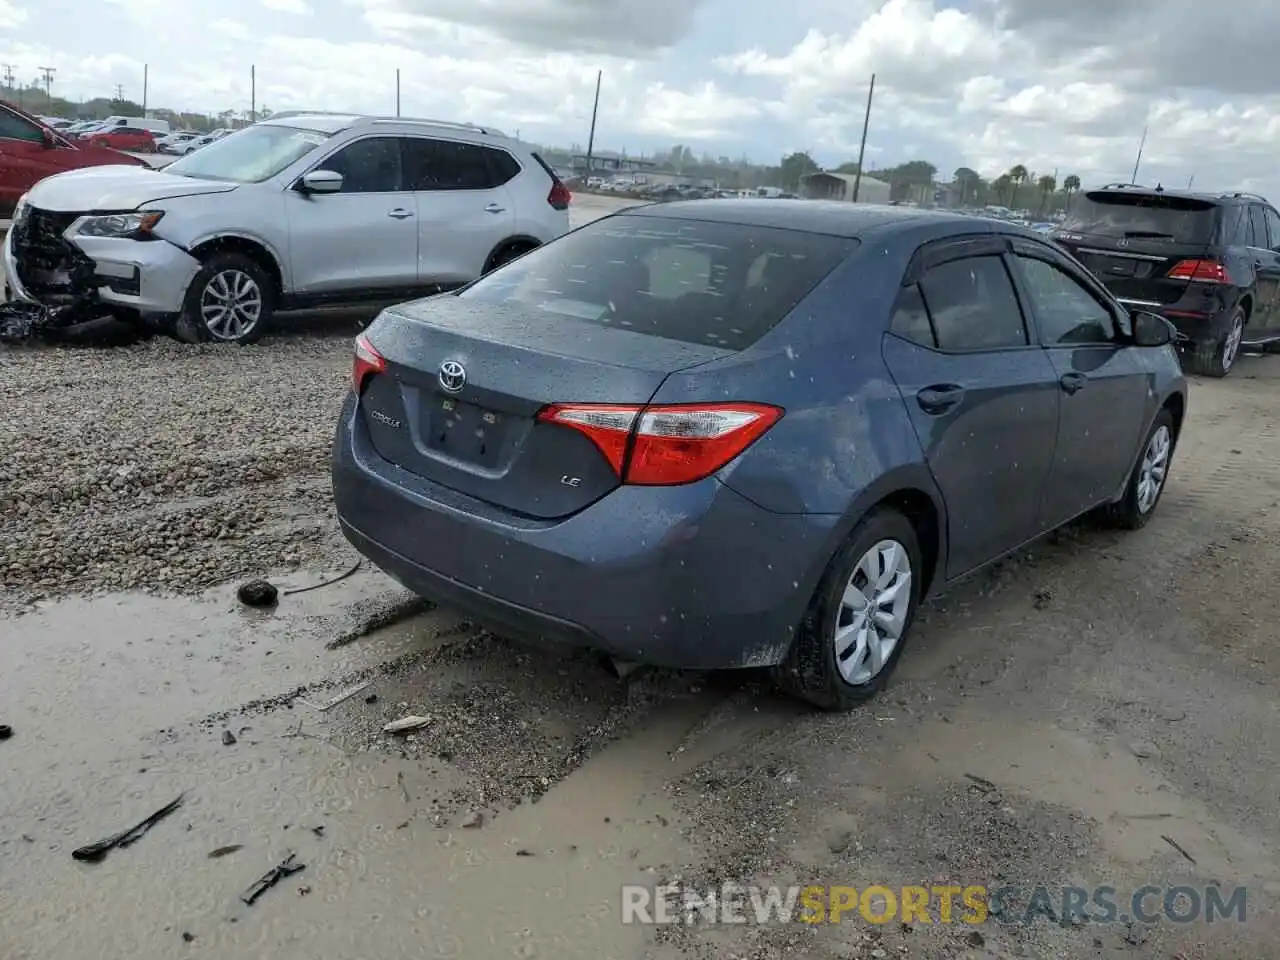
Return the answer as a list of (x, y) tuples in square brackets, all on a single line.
[(1190, 180), (48, 83), (8, 75), (119, 91), (591, 137), (253, 93), (1138, 162), (397, 91), (145, 70), (862, 148)]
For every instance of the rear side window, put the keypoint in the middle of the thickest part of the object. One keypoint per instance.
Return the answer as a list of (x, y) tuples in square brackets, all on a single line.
[(1273, 228), (1148, 216), (972, 306), (1257, 232), (446, 165), (502, 166), (719, 284)]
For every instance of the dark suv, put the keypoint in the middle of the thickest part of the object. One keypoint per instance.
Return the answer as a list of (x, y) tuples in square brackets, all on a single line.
[(1210, 263)]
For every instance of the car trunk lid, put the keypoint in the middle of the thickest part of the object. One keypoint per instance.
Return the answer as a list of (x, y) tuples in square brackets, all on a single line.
[(463, 382), (1135, 242)]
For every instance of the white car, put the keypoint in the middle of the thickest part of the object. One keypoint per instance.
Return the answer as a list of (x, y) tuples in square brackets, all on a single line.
[(173, 141), (295, 211)]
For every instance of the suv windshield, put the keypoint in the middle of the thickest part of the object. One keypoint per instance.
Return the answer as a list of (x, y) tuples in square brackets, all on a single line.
[(720, 284), (249, 156), (1142, 216)]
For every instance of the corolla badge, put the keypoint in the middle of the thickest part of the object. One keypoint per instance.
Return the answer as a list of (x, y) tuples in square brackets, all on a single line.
[(453, 376)]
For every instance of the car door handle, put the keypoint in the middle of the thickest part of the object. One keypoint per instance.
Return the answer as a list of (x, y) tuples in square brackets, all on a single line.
[(400, 213), (939, 399), (495, 208), (1073, 382)]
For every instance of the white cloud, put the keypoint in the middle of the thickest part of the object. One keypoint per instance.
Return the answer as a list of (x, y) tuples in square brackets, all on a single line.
[(980, 83)]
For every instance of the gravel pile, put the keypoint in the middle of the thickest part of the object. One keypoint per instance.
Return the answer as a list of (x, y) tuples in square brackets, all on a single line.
[(166, 467)]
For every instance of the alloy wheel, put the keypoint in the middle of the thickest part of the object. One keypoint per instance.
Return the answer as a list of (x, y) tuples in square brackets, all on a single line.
[(1154, 468), (1231, 347), (231, 304), (873, 612)]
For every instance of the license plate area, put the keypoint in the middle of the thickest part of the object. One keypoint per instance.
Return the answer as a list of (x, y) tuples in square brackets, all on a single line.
[(464, 431)]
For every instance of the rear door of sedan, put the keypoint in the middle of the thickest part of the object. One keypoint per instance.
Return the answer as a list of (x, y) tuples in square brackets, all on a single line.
[(981, 393), (1104, 383)]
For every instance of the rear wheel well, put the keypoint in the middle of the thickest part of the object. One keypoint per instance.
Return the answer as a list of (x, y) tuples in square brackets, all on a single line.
[(254, 251), (919, 509), (509, 249), (1177, 408)]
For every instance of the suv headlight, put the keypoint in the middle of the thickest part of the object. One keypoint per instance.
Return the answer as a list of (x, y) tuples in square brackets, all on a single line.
[(120, 224)]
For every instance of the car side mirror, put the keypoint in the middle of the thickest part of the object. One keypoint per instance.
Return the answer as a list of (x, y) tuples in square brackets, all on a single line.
[(1152, 330), (320, 181), (48, 140)]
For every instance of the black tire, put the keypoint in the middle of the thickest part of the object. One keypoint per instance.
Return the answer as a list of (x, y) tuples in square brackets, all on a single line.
[(504, 255), (810, 671), (1129, 513), (189, 327), (1209, 357)]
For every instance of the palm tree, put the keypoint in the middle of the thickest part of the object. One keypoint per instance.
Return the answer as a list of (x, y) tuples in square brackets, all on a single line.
[(1047, 185), (1017, 176), (1002, 185), (968, 181), (1070, 184)]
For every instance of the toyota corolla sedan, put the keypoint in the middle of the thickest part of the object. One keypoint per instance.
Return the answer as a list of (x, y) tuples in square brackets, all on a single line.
[(721, 433)]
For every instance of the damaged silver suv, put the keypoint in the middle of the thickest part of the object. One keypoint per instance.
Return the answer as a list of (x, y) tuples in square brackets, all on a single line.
[(297, 211)]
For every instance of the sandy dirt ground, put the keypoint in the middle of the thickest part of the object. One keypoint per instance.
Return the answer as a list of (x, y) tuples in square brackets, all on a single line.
[(1100, 710)]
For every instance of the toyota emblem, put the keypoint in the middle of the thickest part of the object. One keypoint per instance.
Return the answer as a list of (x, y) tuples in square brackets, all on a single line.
[(453, 377)]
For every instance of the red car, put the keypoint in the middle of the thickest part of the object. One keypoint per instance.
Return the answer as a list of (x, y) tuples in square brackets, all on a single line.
[(30, 151), (123, 138)]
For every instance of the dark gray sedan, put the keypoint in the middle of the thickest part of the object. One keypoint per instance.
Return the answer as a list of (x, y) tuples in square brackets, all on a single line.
[(729, 433)]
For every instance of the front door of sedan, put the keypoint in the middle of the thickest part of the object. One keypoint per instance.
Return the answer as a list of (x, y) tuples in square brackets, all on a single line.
[(362, 239), (982, 398), (1105, 388)]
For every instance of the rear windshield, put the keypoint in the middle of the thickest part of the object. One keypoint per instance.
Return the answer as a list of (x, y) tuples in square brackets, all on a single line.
[(1142, 216), (720, 284)]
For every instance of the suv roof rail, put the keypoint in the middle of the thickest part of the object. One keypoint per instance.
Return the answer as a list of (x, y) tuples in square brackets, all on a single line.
[(451, 124), (1243, 195), (1121, 186), (285, 114)]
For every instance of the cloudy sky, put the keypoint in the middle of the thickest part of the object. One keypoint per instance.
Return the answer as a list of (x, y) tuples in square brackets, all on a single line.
[(984, 83)]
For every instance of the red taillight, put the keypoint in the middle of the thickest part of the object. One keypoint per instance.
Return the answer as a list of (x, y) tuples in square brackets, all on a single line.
[(668, 444), (559, 197), (1200, 271), (368, 361)]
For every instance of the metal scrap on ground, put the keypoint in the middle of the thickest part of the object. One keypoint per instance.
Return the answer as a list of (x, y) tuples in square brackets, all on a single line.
[(285, 868)]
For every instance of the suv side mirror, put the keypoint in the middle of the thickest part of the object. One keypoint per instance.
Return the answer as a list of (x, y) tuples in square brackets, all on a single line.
[(1152, 330), (320, 181)]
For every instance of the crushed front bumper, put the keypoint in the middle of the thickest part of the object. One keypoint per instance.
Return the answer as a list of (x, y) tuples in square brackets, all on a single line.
[(46, 263)]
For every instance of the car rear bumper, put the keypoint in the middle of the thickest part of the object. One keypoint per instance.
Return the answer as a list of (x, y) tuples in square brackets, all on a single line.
[(693, 577)]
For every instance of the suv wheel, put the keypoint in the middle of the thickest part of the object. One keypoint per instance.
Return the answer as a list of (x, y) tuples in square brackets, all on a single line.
[(856, 627), (1216, 356), (229, 301)]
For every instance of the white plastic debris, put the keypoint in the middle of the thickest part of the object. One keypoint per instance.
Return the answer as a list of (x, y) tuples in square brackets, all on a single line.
[(406, 724)]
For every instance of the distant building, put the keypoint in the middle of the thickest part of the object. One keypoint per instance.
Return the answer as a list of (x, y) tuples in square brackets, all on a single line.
[(608, 163), (839, 186)]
